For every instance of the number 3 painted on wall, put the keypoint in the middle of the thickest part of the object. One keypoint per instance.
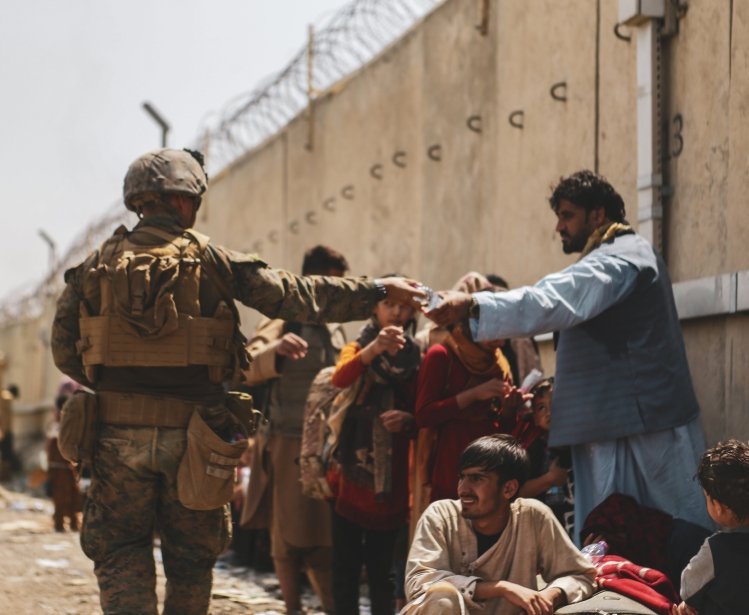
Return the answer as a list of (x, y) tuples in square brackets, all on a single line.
[(678, 123)]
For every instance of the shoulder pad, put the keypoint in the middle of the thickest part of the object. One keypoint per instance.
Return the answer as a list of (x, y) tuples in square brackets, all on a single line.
[(69, 274), (202, 240)]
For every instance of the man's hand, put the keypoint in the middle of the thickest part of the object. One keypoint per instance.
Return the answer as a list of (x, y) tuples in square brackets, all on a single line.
[(396, 420), (683, 609), (292, 346), (404, 290), (532, 602), (453, 308)]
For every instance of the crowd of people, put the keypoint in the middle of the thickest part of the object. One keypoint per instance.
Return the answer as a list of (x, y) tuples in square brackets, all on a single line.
[(454, 472)]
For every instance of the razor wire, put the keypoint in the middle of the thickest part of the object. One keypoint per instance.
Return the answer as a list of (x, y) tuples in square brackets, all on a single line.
[(341, 44), (350, 38)]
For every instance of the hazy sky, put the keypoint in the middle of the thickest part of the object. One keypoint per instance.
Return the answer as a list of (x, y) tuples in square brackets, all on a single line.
[(73, 75)]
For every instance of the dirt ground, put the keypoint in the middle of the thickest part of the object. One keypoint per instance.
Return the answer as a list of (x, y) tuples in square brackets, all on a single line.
[(43, 571)]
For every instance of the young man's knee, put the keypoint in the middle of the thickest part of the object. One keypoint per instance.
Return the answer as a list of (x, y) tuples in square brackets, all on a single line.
[(439, 599)]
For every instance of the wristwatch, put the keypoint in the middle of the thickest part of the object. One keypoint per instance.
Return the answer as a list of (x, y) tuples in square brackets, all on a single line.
[(474, 309), (380, 290)]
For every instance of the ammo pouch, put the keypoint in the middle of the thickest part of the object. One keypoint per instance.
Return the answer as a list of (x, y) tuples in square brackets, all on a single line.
[(205, 478), (241, 406), (78, 426)]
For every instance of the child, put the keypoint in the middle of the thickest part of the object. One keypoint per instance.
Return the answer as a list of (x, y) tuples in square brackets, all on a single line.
[(549, 468), (63, 486), (714, 581), (372, 490)]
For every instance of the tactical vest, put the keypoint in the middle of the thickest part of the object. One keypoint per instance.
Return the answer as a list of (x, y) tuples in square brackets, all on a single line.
[(142, 308)]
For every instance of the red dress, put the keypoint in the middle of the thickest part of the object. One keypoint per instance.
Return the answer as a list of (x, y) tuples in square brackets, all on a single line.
[(441, 377)]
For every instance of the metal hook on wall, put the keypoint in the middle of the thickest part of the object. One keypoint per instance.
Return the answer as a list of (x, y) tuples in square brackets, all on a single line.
[(311, 217), (619, 35), (435, 152), (558, 91), (483, 25), (376, 171), (273, 236), (474, 123), (347, 192), (329, 203), (517, 119), (399, 159), (294, 226)]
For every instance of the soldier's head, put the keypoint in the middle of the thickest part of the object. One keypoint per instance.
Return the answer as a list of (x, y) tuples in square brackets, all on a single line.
[(322, 260), (583, 202), (166, 181)]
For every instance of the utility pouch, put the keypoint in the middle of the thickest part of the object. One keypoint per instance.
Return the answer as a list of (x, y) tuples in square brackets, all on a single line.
[(205, 478), (78, 425), (241, 406)]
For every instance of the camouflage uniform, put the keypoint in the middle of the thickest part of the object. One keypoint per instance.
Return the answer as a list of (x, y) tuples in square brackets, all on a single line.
[(133, 490)]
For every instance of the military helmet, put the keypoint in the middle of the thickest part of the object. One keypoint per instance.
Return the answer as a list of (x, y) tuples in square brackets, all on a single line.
[(165, 171)]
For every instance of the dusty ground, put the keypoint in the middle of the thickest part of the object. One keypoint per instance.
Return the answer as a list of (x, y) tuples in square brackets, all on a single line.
[(42, 571)]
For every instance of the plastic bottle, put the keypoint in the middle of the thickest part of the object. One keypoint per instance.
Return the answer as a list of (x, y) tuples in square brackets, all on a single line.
[(432, 299), (594, 552)]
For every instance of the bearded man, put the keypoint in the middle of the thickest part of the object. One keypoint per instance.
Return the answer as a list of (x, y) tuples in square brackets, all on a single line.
[(623, 397)]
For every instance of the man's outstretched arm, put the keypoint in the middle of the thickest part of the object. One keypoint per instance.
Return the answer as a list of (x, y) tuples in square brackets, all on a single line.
[(559, 301)]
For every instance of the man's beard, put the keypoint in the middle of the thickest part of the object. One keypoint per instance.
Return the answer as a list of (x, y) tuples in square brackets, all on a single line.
[(575, 244)]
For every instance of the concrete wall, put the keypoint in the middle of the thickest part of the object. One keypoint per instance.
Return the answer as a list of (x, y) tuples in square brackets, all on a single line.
[(369, 187)]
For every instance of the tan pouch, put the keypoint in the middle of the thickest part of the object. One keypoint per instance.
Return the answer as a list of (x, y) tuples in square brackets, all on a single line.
[(205, 478), (241, 406), (78, 423)]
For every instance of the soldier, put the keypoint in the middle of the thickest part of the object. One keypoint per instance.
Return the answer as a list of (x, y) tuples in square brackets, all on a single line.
[(149, 323)]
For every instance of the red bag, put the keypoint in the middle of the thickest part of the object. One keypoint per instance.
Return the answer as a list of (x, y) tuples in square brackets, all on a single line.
[(648, 586)]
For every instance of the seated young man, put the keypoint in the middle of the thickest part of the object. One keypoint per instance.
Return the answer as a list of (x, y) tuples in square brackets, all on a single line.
[(484, 550)]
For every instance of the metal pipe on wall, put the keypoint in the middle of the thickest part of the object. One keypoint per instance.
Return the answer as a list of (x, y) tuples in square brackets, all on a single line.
[(649, 134)]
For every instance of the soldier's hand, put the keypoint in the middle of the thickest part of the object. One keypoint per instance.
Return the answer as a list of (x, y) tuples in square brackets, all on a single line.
[(292, 346), (453, 308), (404, 290)]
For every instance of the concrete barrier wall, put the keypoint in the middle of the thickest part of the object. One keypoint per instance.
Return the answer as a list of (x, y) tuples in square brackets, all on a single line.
[(399, 179)]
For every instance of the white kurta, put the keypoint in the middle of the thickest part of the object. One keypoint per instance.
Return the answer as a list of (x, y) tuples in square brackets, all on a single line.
[(444, 548)]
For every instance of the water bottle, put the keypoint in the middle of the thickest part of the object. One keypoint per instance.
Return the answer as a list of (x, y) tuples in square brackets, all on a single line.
[(594, 552), (432, 299)]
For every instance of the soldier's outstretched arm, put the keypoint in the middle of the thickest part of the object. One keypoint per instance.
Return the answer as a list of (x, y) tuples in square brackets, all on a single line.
[(281, 294)]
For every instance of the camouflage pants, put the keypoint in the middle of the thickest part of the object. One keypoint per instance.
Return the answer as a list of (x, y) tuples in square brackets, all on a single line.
[(133, 494)]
